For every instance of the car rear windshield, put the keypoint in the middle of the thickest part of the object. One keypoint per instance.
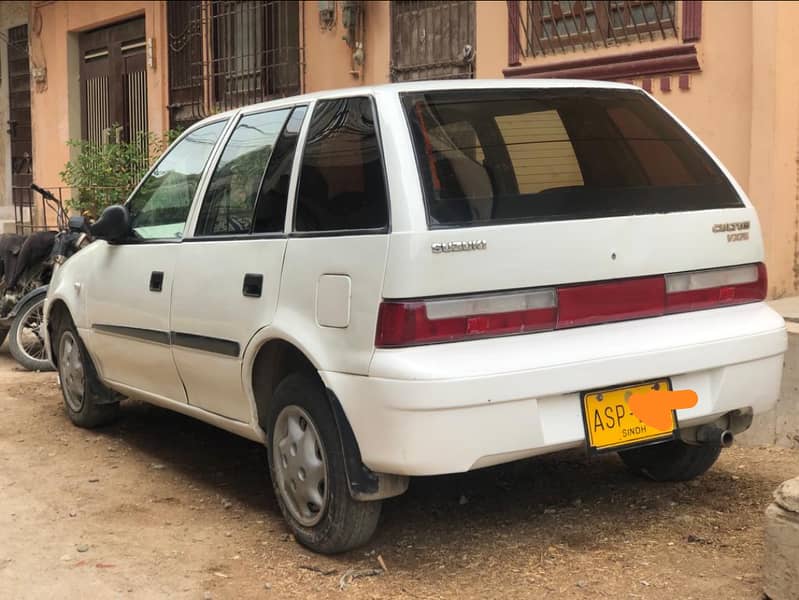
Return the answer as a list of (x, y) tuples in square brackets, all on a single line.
[(497, 156)]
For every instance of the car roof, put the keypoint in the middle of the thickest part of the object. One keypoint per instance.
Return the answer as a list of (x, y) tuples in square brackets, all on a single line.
[(430, 85)]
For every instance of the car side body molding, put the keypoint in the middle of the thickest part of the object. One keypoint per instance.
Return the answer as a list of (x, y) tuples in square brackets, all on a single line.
[(174, 338)]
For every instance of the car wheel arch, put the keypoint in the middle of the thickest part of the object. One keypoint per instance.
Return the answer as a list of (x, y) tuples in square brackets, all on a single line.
[(273, 361), (56, 311)]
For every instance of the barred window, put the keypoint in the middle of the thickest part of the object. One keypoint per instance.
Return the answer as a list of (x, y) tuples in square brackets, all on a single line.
[(556, 26), (226, 54)]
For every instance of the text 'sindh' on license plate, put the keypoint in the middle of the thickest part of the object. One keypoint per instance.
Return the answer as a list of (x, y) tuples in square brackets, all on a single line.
[(610, 424)]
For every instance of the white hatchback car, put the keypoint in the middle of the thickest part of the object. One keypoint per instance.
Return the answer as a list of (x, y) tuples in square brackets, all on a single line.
[(427, 278)]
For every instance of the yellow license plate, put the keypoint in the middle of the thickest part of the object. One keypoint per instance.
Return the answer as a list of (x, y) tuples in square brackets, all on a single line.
[(609, 423)]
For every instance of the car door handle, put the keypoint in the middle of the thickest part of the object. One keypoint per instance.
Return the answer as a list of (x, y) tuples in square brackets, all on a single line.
[(253, 285), (156, 281)]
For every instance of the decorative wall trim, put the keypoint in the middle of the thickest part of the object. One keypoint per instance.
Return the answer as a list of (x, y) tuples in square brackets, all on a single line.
[(691, 20), (644, 63), (514, 24)]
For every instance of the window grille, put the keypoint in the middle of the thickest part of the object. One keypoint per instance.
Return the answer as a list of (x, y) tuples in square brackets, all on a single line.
[(551, 27), (225, 54)]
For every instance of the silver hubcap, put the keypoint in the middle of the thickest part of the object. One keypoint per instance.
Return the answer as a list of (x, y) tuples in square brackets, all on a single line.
[(29, 338), (70, 367), (300, 465)]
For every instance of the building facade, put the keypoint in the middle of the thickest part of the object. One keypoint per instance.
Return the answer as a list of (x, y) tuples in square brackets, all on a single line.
[(727, 69)]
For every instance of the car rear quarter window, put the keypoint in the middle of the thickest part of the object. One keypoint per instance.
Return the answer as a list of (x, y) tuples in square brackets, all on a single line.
[(496, 156), (341, 183)]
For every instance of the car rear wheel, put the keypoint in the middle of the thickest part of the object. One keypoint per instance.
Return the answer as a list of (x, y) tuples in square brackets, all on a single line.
[(87, 401), (308, 475), (671, 461)]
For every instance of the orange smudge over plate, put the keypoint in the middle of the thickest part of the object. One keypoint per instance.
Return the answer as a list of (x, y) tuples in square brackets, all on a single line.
[(654, 407)]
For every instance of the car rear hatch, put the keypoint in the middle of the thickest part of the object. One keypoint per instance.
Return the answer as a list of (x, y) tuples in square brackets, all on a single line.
[(557, 208)]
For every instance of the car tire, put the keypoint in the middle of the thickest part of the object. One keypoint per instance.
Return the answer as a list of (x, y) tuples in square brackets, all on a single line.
[(88, 402), (671, 461), (306, 462), (32, 358)]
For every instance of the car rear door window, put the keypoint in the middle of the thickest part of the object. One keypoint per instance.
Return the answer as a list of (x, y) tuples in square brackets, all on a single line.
[(229, 202), (342, 184), (497, 156)]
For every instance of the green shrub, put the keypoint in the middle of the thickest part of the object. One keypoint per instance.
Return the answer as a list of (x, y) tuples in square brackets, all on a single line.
[(105, 174)]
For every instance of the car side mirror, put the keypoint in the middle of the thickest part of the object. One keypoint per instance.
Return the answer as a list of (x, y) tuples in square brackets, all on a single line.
[(77, 224), (113, 225)]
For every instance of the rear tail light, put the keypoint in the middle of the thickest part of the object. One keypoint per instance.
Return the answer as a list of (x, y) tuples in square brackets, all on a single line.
[(424, 322), (715, 287), (415, 322)]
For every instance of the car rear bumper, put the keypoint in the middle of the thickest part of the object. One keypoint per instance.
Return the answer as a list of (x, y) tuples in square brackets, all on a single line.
[(455, 407)]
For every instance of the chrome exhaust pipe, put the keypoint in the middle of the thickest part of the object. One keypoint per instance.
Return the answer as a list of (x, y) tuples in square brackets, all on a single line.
[(710, 434)]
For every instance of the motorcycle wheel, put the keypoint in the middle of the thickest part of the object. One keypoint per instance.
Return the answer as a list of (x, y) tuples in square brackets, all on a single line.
[(3, 330), (26, 339)]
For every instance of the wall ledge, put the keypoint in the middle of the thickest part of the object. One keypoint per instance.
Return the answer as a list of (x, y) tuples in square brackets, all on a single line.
[(672, 59)]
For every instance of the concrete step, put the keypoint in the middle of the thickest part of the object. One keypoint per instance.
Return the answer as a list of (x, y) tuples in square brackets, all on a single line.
[(788, 307), (781, 566)]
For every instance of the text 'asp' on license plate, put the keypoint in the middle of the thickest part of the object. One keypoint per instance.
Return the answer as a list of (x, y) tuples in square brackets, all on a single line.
[(609, 423)]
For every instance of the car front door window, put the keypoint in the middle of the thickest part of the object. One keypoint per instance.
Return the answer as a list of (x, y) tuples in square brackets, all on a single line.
[(160, 206)]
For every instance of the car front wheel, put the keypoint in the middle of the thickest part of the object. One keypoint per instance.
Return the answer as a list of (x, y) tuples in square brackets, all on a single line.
[(308, 475), (87, 401)]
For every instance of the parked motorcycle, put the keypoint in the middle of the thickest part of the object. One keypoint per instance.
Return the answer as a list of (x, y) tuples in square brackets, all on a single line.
[(24, 288)]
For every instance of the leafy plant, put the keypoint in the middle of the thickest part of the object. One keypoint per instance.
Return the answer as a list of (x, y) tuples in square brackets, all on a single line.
[(102, 174)]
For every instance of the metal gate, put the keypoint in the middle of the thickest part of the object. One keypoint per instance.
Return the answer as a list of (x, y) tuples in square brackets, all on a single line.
[(113, 78), (19, 127), (432, 39)]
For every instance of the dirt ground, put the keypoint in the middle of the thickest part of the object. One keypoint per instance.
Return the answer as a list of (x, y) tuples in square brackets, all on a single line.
[(160, 506)]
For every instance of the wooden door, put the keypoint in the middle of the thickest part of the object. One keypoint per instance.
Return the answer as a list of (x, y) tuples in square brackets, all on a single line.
[(113, 79)]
